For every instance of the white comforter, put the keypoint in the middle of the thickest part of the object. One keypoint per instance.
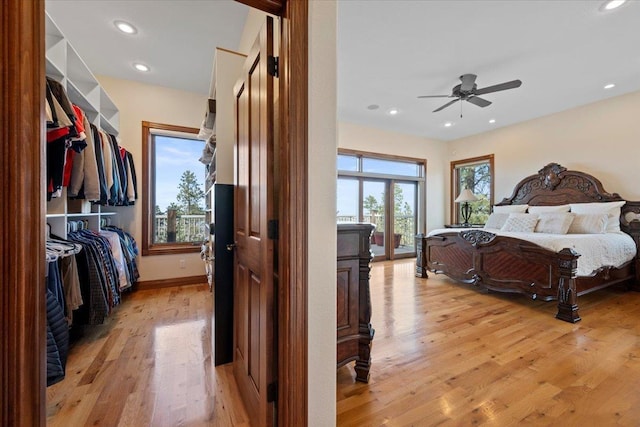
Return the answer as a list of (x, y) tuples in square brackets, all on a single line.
[(596, 250)]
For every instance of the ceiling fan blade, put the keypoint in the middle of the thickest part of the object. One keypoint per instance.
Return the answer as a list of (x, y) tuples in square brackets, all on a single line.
[(479, 101), (436, 96), (446, 105), (496, 88), (467, 82)]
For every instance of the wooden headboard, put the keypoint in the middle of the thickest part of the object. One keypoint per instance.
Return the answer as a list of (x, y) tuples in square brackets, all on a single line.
[(555, 185)]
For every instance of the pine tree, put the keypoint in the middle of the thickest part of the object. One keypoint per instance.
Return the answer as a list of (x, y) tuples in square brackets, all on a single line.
[(190, 195)]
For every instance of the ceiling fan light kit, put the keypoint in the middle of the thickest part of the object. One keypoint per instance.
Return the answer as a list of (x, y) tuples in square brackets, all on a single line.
[(468, 91)]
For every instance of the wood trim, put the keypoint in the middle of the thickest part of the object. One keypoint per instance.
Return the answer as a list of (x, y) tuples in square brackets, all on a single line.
[(231, 51), (453, 212), (148, 247), (275, 7), (168, 283), (292, 244), (22, 216), (175, 128), (348, 151)]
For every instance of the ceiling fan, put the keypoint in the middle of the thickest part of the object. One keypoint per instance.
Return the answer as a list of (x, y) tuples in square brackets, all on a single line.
[(468, 91)]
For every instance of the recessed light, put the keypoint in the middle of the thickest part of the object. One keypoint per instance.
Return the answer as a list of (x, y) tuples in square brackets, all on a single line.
[(373, 107), (393, 112), (141, 67), (609, 86), (612, 4), (125, 27), (448, 124), (492, 121)]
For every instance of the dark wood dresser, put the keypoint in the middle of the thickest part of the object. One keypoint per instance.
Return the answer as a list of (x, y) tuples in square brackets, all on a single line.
[(354, 300)]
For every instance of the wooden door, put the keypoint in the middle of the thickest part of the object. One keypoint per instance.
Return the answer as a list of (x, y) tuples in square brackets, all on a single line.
[(254, 336)]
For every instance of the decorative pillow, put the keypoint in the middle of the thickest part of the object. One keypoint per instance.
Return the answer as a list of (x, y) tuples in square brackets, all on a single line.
[(496, 220), (510, 209), (520, 222), (588, 224), (545, 209), (612, 209), (554, 223)]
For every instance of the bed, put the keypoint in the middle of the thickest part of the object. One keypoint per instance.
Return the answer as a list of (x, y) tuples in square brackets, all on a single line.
[(506, 262)]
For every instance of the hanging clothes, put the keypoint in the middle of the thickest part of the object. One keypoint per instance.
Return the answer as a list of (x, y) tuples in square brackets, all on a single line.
[(85, 180), (130, 251)]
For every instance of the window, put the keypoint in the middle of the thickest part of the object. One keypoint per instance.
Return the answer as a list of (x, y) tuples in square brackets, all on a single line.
[(387, 191), (173, 190), (476, 174)]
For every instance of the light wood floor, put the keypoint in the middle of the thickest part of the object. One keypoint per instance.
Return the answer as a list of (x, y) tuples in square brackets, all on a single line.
[(150, 365), (443, 354), (449, 354)]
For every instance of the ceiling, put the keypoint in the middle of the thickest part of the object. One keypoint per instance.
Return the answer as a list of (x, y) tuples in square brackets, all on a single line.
[(176, 39), (389, 52)]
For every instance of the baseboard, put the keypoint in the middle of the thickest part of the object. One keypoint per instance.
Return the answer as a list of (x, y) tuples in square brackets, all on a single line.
[(167, 283)]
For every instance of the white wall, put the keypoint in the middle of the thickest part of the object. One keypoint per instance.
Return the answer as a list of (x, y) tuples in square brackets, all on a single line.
[(322, 208), (227, 71), (602, 139), (358, 137), (255, 21), (139, 102)]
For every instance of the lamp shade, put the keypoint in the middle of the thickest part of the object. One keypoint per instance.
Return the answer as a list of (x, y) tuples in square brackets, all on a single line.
[(466, 196)]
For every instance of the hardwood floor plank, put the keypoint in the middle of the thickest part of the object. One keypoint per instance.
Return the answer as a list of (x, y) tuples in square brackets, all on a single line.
[(150, 364), (451, 354)]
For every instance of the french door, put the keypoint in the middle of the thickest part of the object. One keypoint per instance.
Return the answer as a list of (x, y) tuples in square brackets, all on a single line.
[(389, 204)]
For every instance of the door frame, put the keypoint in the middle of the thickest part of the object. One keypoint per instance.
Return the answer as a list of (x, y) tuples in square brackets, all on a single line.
[(291, 301), (22, 216), (22, 174)]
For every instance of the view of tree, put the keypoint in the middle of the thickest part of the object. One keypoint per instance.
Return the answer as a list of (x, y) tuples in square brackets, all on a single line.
[(477, 178), (189, 202), (190, 194), (371, 204), (404, 219), (173, 206)]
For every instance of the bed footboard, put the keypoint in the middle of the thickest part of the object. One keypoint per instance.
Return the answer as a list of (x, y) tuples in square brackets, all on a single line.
[(503, 264)]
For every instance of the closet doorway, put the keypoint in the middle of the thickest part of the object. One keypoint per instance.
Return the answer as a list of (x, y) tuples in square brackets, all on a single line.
[(22, 108)]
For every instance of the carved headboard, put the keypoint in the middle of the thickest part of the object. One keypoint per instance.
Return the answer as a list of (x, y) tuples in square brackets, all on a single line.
[(555, 185)]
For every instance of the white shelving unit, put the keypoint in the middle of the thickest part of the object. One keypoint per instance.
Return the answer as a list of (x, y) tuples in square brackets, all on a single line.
[(64, 65)]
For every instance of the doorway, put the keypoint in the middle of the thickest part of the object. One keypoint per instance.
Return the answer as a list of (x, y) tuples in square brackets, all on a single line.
[(386, 192)]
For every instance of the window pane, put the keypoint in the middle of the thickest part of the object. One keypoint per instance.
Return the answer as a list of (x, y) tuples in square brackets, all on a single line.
[(390, 167), (178, 214), (347, 203), (347, 163), (404, 217), (477, 178), (373, 210)]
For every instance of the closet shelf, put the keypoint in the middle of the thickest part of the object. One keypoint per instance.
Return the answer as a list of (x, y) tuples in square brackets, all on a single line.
[(64, 64)]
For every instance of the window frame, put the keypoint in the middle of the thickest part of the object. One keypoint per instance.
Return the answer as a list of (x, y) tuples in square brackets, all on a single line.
[(420, 179), (148, 192), (454, 190)]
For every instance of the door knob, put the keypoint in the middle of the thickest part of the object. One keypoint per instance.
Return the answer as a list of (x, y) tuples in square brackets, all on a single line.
[(231, 247)]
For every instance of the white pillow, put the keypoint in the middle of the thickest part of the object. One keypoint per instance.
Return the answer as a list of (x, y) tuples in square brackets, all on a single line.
[(554, 222), (496, 220), (545, 209), (588, 224), (520, 222), (612, 209), (510, 209)]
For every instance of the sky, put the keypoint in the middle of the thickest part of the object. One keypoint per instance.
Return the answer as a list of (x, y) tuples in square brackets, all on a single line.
[(174, 156)]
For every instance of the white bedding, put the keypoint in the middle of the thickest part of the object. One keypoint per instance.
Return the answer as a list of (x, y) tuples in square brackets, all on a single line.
[(596, 250)]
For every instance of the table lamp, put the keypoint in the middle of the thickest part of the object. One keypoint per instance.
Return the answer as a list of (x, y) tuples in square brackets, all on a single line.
[(465, 197)]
